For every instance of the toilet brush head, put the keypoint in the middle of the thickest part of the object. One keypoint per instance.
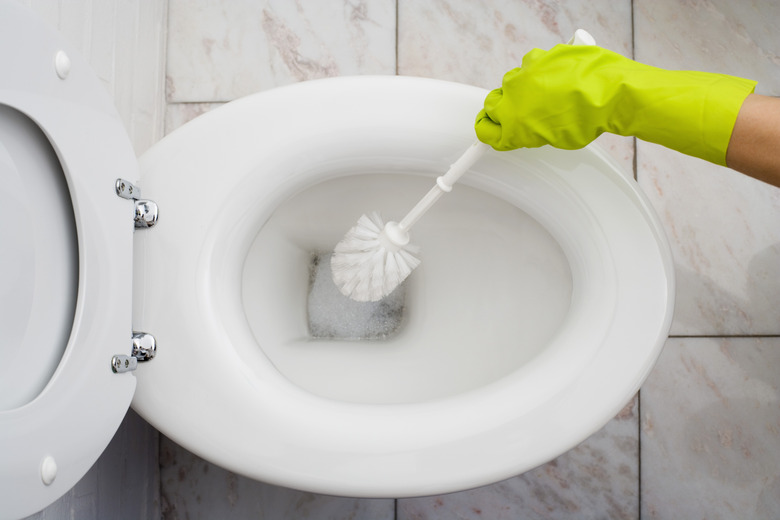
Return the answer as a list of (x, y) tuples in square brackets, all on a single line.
[(372, 259)]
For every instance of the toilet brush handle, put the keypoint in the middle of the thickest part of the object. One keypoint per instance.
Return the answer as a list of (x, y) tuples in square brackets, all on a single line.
[(467, 160), (582, 37), (462, 165), (444, 183)]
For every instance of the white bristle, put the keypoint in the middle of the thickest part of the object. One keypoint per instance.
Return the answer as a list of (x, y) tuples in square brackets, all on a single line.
[(366, 266), (373, 258)]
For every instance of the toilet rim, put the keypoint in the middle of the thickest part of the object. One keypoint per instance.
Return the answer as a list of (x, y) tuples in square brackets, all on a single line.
[(77, 413), (210, 258)]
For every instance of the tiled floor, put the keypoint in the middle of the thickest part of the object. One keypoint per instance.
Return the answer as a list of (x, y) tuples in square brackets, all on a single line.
[(199, 489), (709, 416), (598, 478), (710, 430), (702, 438)]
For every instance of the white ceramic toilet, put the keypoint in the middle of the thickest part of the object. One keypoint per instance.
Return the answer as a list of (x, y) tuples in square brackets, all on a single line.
[(543, 300)]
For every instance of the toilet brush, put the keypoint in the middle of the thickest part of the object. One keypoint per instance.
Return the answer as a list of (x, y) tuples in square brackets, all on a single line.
[(374, 258)]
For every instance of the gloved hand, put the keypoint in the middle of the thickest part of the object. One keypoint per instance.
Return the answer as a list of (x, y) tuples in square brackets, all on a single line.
[(571, 94)]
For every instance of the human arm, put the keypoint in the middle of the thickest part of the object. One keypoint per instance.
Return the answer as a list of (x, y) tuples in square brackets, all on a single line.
[(754, 148)]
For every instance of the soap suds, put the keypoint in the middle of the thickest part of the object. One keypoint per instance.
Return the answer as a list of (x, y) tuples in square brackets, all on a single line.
[(334, 316)]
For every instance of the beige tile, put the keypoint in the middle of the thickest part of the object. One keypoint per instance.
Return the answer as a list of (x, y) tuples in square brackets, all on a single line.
[(737, 38), (195, 489), (711, 430), (724, 228), (621, 149), (177, 114), (597, 479), (219, 50), (476, 42)]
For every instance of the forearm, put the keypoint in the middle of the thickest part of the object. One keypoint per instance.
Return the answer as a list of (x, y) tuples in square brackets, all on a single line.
[(754, 148)]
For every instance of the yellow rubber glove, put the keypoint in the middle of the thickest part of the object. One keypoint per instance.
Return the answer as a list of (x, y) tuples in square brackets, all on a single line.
[(571, 94)]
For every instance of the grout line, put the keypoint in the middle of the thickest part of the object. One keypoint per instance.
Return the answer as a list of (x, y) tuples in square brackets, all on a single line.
[(639, 392), (633, 31), (166, 49), (162, 106), (164, 131), (639, 454), (397, 17), (723, 336), (633, 56)]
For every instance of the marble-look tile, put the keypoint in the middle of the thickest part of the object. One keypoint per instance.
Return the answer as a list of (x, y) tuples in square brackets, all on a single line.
[(622, 149), (711, 430), (737, 38), (476, 42), (194, 489), (597, 479), (176, 114), (724, 227), (219, 50)]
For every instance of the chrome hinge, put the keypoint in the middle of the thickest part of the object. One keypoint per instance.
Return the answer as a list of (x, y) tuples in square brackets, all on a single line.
[(146, 211), (144, 348)]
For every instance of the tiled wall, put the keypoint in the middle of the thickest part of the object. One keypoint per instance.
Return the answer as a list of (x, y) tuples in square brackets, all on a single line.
[(702, 438)]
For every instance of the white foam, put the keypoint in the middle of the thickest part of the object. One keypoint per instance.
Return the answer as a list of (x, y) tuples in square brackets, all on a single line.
[(331, 315)]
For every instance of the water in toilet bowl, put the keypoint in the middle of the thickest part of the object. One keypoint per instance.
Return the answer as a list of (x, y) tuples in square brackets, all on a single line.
[(492, 291), (333, 316)]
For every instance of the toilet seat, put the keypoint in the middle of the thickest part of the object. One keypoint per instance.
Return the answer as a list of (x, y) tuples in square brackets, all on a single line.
[(211, 388), (50, 442)]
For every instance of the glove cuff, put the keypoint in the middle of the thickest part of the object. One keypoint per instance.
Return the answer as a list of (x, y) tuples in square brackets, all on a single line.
[(688, 111), (722, 105)]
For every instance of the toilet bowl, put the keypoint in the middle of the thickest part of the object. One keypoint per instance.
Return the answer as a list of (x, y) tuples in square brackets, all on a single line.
[(543, 300)]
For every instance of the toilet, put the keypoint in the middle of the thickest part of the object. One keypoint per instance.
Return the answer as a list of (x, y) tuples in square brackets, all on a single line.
[(544, 297)]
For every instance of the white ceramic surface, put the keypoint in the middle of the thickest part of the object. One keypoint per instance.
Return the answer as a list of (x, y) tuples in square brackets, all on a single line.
[(36, 225), (494, 289), (78, 411), (243, 414)]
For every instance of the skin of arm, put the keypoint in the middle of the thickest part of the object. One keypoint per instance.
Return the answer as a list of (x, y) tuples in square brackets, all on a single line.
[(754, 147)]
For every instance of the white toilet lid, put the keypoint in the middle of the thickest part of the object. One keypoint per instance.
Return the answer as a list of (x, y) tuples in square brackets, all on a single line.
[(52, 436)]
